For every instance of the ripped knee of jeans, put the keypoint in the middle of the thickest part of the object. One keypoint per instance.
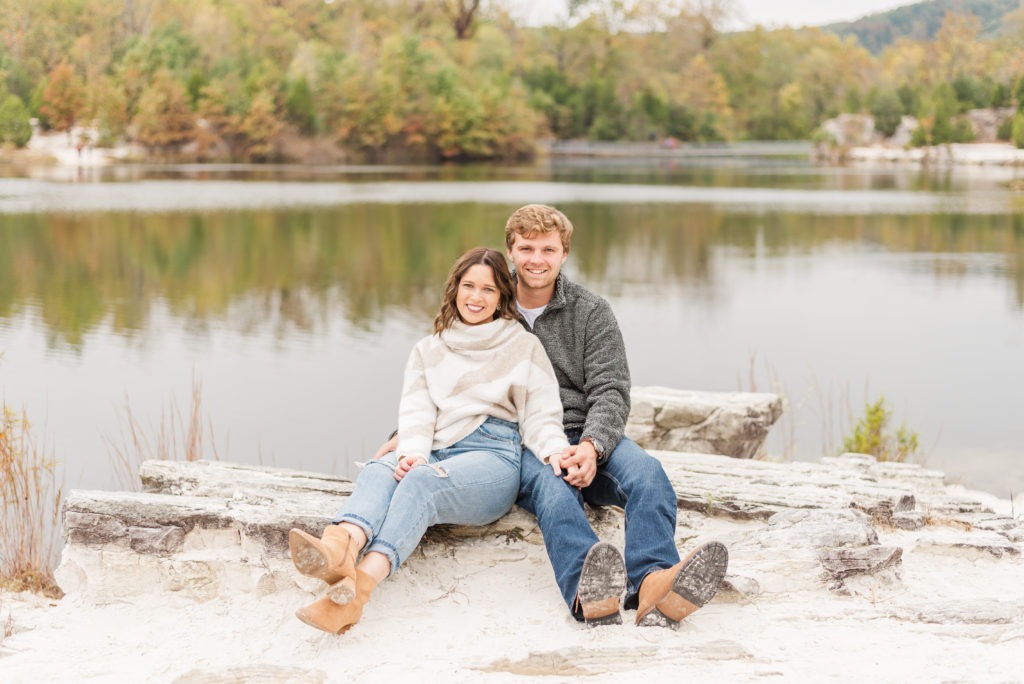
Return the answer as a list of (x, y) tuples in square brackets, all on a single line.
[(381, 462), (438, 470)]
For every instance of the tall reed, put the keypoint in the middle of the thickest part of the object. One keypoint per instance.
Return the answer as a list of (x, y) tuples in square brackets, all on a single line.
[(31, 501), (177, 436)]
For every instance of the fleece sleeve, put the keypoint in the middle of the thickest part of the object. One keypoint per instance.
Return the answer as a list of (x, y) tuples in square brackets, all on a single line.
[(607, 378)]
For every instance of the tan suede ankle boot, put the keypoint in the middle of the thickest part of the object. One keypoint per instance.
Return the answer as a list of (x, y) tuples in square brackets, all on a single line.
[(331, 558), (327, 615), (668, 596)]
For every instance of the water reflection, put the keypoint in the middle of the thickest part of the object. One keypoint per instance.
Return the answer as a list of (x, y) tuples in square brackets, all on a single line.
[(362, 260), (298, 320)]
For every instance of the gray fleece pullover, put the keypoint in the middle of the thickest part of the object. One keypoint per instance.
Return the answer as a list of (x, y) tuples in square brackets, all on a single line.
[(583, 341)]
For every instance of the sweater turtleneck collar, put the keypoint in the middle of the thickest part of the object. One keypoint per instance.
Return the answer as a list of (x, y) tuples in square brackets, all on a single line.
[(462, 337)]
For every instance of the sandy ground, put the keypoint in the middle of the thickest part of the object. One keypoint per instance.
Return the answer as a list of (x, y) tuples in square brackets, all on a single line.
[(488, 611)]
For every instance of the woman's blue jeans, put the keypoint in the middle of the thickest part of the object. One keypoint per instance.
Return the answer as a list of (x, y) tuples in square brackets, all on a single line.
[(473, 482), (630, 478)]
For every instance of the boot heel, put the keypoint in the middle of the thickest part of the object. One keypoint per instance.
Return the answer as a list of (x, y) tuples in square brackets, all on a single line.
[(602, 582), (343, 591)]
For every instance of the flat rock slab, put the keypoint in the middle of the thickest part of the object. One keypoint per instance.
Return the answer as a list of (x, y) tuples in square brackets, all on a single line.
[(264, 503), (207, 528), (976, 612), (841, 563)]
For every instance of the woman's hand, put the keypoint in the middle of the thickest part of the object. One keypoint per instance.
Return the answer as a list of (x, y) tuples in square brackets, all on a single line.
[(407, 463), (558, 462)]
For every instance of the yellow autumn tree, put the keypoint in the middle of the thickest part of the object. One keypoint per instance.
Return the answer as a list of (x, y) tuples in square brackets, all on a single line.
[(704, 90), (164, 120), (63, 98)]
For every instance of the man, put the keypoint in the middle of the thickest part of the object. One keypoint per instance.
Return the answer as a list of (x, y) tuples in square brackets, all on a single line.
[(583, 341)]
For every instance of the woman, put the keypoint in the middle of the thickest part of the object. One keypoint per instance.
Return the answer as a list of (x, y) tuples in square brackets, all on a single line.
[(474, 392)]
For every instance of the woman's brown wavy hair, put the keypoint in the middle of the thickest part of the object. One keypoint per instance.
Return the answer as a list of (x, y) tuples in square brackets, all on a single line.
[(449, 312)]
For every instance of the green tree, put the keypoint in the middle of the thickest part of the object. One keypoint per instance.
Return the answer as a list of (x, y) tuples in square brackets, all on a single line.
[(999, 96), (1018, 93), (971, 93), (910, 98), (887, 111), (1005, 131), (936, 118), (15, 128), (1017, 134), (300, 106)]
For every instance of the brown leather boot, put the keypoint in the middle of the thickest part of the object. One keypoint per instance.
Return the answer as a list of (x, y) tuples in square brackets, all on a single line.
[(331, 558), (602, 582), (327, 615), (667, 596)]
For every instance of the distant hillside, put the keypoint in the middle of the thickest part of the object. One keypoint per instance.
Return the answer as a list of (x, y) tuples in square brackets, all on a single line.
[(920, 21)]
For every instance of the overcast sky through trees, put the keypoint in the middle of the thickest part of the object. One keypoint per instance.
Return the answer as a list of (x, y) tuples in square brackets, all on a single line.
[(769, 13)]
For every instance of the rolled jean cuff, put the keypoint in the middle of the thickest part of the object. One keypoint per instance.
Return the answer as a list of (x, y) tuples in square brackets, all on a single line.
[(356, 520), (388, 550)]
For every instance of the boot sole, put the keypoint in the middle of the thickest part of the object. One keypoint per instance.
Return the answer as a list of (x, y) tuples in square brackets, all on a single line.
[(602, 583), (306, 557), (696, 584)]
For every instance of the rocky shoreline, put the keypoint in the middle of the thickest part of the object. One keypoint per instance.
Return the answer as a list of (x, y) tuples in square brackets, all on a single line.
[(840, 570)]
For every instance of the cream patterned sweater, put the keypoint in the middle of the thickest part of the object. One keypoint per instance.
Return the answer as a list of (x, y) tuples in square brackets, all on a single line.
[(455, 380)]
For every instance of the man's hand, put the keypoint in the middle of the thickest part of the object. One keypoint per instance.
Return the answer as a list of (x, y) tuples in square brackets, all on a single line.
[(387, 447), (555, 461), (580, 464), (405, 464)]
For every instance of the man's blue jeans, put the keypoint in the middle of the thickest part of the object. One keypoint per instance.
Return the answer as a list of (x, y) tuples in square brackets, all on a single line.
[(632, 479), (472, 482)]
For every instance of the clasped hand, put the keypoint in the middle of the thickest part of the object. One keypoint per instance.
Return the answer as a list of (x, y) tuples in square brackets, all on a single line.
[(405, 463), (579, 461)]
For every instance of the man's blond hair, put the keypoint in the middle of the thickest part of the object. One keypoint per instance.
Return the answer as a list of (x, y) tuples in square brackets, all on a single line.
[(536, 219)]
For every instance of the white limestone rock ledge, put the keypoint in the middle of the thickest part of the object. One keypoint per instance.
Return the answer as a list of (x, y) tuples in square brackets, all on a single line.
[(212, 529)]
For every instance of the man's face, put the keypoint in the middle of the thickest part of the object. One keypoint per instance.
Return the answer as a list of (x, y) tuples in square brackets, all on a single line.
[(538, 259)]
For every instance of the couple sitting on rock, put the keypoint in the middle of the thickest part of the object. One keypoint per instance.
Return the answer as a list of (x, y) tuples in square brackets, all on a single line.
[(481, 427)]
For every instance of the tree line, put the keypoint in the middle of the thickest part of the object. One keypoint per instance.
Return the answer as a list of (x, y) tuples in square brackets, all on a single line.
[(454, 79)]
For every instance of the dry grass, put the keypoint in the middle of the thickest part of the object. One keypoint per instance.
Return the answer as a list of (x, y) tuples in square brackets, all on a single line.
[(8, 628), (31, 500), (830, 402), (176, 436), (787, 423)]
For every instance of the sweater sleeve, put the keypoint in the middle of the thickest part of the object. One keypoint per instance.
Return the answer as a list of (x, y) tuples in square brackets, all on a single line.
[(540, 415), (417, 413), (607, 378)]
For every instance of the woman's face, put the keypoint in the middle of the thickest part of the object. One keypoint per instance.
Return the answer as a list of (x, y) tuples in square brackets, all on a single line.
[(477, 296)]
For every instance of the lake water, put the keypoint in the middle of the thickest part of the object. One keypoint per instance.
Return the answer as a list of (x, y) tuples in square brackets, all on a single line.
[(291, 297)]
